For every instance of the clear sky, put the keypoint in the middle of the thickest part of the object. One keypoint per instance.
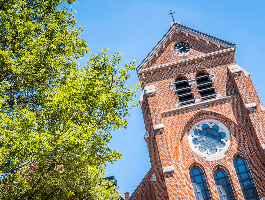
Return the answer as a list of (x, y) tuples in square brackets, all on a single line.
[(135, 27)]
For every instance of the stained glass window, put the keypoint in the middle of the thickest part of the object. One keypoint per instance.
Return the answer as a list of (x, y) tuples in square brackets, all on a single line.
[(223, 185), (209, 137), (245, 178), (199, 184)]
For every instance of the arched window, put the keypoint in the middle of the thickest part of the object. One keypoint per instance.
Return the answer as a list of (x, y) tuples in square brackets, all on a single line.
[(223, 185), (199, 184), (245, 179), (205, 86), (184, 91)]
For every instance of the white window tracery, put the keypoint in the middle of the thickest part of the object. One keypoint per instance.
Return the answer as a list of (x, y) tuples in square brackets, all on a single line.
[(209, 138)]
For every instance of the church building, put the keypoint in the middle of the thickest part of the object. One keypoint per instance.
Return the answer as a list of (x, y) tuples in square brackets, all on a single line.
[(205, 125)]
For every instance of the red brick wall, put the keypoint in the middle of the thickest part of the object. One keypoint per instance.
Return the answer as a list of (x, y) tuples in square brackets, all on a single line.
[(170, 145)]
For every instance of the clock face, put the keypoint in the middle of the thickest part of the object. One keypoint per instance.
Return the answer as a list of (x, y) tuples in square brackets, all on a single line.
[(182, 48)]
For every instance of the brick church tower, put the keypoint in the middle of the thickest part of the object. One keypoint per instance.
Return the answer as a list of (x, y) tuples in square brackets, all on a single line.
[(204, 121)]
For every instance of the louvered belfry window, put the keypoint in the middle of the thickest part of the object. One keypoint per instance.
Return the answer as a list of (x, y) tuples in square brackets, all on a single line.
[(245, 179), (184, 92), (205, 86)]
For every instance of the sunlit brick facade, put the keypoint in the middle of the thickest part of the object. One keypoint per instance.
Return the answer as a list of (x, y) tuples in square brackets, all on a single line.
[(174, 146)]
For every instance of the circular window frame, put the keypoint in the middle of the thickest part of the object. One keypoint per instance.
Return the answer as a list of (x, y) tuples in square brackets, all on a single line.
[(177, 52), (220, 151)]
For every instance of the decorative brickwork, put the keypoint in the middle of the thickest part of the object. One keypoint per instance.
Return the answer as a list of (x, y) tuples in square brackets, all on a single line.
[(168, 123)]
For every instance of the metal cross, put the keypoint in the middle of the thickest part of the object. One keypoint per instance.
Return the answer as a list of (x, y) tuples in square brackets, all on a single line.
[(171, 13)]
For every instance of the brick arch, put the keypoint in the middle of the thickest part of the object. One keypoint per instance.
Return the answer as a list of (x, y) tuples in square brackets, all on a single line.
[(196, 164), (221, 166), (202, 71), (181, 76), (208, 114), (241, 154)]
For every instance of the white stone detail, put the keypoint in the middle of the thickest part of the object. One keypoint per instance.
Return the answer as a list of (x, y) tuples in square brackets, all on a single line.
[(251, 105), (217, 157), (197, 100), (183, 54), (141, 97), (263, 146), (153, 177), (158, 126), (246, 73), (149, 89), (218, 96), (220, 148), (146, 135), (172, 87), (168, 169), (237, 68), (262, 107), (192, 81), (178, 105)]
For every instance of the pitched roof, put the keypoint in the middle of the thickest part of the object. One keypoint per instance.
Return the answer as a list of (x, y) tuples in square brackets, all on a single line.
[(177, 25), (140, 183)]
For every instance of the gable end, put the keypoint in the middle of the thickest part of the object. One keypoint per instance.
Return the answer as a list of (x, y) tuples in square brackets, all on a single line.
[(174, 26)]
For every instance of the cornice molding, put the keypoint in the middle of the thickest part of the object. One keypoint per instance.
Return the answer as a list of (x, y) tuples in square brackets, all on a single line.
[(204, 35), (185, 60), (196, 104), (168, 169)]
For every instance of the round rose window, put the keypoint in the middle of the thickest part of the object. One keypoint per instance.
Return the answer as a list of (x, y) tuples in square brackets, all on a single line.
[(209, 138)]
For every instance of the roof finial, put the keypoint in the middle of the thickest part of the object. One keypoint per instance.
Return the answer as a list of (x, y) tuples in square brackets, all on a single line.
[(171, 13)]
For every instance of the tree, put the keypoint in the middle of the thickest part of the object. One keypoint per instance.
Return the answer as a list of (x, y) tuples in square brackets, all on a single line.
[(56, 117)]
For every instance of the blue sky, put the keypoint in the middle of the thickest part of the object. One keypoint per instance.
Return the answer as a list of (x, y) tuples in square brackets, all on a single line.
[(135, 27)]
